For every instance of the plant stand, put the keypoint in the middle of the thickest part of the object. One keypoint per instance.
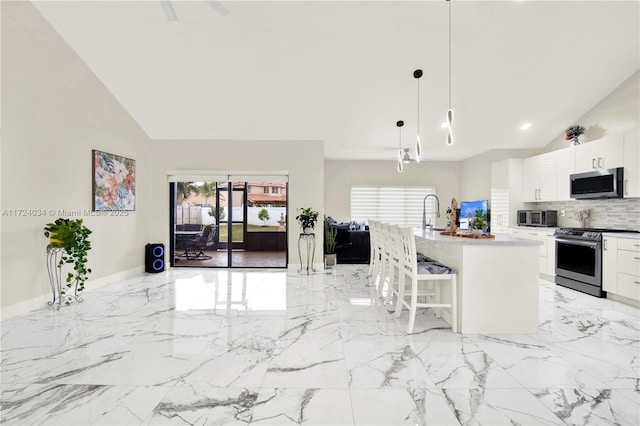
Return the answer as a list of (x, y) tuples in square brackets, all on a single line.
[(310, 239), (55, 278)]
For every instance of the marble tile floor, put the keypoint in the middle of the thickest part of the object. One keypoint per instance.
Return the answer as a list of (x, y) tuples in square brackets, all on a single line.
[(222, 347)]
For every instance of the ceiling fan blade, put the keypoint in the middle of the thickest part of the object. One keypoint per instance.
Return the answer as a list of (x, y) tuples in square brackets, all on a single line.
[(218, 7), (168, 10)]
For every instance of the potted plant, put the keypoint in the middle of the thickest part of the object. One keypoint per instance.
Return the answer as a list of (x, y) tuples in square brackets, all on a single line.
[(330, 233), (307, 219), (72, 236), (573, 134), (478, 222)]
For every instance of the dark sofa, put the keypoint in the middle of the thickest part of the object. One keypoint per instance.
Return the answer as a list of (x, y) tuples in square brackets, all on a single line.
[(352, 246)]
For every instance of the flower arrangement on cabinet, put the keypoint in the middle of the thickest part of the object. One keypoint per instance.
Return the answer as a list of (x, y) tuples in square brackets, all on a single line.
[(573, 134)]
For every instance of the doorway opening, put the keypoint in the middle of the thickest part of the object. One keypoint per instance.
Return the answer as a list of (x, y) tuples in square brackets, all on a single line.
[(228, 224)]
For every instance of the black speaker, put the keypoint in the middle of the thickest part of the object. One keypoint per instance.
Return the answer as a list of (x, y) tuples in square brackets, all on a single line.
[(154, 258)]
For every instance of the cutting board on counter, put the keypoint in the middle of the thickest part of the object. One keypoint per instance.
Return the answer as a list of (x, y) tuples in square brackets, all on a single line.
[(453, 234)]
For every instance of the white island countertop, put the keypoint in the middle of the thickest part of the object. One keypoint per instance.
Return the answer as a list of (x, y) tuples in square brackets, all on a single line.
[(497, 280), (499, 240)]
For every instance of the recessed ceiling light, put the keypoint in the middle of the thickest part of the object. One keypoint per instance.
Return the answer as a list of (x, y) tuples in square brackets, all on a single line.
[(525, 126)]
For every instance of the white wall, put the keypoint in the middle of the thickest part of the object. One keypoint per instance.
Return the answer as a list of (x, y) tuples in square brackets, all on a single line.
[(303, 160), (54, 112), (617, 113), (341, 175)]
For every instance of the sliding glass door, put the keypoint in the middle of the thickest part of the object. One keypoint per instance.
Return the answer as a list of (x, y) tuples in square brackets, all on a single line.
[(229, 224), (266, 225)]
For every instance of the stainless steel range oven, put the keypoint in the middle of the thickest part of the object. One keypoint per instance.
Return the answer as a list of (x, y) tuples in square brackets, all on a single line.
[(579, 260)]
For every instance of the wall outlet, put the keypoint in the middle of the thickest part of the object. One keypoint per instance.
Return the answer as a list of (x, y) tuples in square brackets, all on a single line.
[(561, 212)]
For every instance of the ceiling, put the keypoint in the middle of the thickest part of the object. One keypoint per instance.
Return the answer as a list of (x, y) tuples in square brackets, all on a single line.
[(342, 71)]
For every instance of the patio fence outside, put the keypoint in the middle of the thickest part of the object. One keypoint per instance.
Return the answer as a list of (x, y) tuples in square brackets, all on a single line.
[(199, 215)]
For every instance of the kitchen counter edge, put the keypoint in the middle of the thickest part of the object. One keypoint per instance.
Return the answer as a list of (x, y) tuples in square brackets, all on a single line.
[(630, 235), (499, 240)]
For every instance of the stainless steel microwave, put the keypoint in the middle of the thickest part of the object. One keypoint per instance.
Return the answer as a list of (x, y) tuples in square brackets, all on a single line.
[(537, 217), (603, 183)]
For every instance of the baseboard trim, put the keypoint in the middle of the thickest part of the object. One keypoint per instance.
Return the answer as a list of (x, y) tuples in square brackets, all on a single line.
[(24, 307), (39, 302), (622, 299), (101, 282), (546, 277)]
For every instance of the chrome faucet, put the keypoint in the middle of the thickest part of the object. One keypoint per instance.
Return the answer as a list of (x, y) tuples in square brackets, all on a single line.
[(424, 211)]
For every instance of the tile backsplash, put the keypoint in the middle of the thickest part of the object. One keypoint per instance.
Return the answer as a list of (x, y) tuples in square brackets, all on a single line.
[(611, 214)]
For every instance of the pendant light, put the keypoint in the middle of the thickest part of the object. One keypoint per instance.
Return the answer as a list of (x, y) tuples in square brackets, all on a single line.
[(417, 74), (449, 111), (400, 124)]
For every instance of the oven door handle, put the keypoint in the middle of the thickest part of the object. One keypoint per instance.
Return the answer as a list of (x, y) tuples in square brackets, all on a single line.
[(592, 244)]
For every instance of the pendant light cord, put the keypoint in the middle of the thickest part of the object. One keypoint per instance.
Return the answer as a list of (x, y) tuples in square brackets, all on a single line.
[(449, 1), (417, 74), (418, 132), (400, 124)]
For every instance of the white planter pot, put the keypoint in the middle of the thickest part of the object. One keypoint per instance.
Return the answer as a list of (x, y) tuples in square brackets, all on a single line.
[(476, 232), (308, 230), (330, 259)]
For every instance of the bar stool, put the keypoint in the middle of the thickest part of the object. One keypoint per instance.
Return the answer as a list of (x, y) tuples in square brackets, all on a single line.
[(421, 272), (374, 258), (387, 263)]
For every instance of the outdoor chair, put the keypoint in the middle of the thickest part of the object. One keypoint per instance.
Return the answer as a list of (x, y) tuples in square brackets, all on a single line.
[(196, 247)]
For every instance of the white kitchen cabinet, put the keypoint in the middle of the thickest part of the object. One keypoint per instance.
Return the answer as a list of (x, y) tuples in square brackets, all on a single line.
[(628, 262), (545, 250), (506, 194), (604, 153), (565, 167), (551, 254), (629, 286), (621, 266), (539, 177), (610, 264), (631, 148)]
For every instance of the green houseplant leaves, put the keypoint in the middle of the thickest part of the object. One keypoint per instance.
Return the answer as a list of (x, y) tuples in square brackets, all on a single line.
[(72, 236), (329, 236), (307, 217)]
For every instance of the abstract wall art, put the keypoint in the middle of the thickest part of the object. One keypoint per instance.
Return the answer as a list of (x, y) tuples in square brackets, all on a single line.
[(114, 182)]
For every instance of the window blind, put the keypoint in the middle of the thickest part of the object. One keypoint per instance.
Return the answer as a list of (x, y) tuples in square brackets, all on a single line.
[(392, 204)]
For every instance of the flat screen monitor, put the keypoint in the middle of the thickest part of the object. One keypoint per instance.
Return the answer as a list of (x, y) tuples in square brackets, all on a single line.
[(468, 210)]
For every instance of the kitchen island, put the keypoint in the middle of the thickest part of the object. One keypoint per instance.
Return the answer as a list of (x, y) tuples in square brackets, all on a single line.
[(497, 280)]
